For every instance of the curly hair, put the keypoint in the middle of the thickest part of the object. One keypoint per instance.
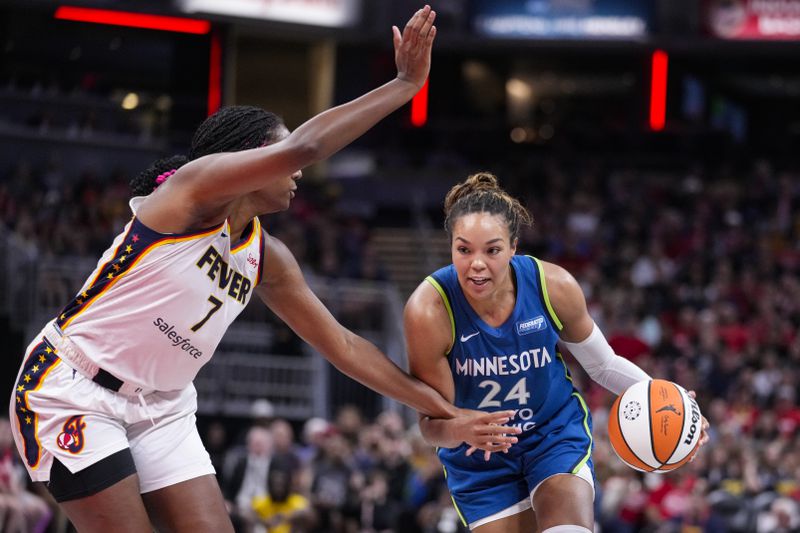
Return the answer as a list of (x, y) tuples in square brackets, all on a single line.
[(231, 129), (481, 193)]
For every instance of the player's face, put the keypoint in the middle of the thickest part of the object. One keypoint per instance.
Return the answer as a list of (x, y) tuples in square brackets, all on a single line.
[(481, 251), (278, 194)]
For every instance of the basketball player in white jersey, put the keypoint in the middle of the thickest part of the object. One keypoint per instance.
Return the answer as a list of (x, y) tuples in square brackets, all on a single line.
[(104, 407)]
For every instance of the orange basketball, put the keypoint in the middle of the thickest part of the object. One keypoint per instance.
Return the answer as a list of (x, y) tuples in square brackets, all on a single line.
[(655, 426)]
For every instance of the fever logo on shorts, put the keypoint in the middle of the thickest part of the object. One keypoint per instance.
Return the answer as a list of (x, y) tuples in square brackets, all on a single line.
[(71, 436)]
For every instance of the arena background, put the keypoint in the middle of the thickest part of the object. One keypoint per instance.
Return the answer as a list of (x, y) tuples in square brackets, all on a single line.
[(655, 142)]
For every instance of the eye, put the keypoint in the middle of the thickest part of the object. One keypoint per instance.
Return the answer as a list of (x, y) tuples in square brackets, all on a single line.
[(462, 250), (494, 251)]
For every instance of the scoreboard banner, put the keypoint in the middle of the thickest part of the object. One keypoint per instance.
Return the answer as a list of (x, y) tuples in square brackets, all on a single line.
[(754, 19), (562, 19)]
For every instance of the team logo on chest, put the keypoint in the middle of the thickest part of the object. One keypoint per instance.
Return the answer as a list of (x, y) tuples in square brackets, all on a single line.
[(71, 436), (217, 269), (531, 325)]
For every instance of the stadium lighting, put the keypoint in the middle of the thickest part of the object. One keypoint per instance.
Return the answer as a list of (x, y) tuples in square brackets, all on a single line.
[(215, 75), (419, 107), (133, 20), (658, 90)]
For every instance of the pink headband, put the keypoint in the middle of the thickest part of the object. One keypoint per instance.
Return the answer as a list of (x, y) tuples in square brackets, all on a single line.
[(163, 177)]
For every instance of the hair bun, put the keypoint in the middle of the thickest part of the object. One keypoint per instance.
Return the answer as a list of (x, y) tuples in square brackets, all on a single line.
[(145, 182)]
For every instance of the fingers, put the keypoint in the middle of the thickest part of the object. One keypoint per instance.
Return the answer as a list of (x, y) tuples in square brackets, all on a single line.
[(415, 26), (427, 24), (396, 37), (498, 418), (704, 432)]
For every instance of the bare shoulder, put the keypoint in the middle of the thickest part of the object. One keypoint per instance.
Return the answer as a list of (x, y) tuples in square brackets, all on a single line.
[(426, 316), (425, 304), (564, 291)]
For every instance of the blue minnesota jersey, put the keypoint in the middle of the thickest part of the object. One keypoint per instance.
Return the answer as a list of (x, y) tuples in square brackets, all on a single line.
[(514, 366)]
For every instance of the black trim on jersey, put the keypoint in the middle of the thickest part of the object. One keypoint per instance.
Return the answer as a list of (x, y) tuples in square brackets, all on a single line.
[(248, 234)]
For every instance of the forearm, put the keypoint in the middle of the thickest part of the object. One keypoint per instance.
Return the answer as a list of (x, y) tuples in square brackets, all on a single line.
[(437, 432), (362, 361), (335, 128), (613, 372)]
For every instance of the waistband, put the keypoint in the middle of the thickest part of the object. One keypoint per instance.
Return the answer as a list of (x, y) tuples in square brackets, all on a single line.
[(74, 356)]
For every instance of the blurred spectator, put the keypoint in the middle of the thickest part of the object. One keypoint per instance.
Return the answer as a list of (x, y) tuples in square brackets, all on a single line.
[(246, 477), (21, 511), (282, 510)]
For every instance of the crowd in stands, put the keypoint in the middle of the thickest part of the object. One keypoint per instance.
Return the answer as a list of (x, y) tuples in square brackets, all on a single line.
[(692, 274)]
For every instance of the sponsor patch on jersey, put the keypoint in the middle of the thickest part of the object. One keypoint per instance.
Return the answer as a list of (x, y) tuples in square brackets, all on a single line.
[(252, 263), (71, 436), (531, 325)]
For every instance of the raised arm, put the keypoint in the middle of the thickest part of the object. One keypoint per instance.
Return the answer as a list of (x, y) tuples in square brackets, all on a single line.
[(202, 189), (429, 336), (285, 291), (582, 336)]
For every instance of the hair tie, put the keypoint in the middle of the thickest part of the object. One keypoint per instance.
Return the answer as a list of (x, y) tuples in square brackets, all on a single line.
[(163, 177)]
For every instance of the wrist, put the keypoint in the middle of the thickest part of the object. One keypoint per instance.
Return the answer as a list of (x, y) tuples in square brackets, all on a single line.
[(411, 87)]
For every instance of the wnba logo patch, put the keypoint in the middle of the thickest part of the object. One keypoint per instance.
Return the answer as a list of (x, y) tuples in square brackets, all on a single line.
[(71, 436)]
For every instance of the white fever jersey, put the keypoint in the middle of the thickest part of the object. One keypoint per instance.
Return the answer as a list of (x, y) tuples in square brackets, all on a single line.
[(155, 308)]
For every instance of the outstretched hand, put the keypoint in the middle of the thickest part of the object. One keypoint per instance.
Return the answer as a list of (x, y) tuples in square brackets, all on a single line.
[(703, 430), (412, 48), (485, 431)]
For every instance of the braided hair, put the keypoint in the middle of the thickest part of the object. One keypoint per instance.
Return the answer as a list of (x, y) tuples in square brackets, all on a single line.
[(231, 129), (480, 193)]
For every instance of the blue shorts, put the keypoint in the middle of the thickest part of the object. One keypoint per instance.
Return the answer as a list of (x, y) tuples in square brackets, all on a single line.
[(562, 445)]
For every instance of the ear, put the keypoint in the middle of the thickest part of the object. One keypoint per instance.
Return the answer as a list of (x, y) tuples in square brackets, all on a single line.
[(514, 244)]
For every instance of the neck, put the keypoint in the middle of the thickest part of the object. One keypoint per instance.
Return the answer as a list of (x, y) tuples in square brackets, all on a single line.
[(238, 221), (239, 217)]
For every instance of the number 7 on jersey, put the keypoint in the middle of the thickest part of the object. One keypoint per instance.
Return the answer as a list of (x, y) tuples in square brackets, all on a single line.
[(216, 304)]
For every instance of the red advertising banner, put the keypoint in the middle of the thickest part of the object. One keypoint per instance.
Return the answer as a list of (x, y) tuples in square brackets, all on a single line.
[(754, 19)]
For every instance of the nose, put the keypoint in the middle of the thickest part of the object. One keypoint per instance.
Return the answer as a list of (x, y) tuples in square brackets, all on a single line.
[(478, 264), (297, 175)]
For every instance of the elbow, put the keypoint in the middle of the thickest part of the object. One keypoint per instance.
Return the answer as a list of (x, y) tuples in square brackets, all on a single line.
[(306, 151)]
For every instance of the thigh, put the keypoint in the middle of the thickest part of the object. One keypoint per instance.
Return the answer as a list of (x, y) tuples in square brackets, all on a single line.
[(118, 508), (564, 499), (194, 506), (524, 522)]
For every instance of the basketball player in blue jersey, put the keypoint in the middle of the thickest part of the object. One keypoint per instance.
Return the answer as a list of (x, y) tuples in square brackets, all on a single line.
[(104, 406), (484, 333)]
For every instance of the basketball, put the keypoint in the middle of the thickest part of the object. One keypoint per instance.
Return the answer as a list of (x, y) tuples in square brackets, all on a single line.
[(655, 426)]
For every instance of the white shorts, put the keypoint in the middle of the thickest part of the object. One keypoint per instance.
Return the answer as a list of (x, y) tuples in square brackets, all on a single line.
[(57, 412)]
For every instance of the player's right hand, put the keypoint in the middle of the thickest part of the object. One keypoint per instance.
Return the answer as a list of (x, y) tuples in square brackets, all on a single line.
[(485, 431), (412, 48)]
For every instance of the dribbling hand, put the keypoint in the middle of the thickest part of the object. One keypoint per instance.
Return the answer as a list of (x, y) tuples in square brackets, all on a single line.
[(412, 48)]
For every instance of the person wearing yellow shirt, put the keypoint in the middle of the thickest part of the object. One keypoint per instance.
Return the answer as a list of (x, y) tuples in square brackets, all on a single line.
[(281, 510)]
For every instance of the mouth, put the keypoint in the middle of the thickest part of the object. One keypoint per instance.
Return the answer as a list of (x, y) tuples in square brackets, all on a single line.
[(480, 282)]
